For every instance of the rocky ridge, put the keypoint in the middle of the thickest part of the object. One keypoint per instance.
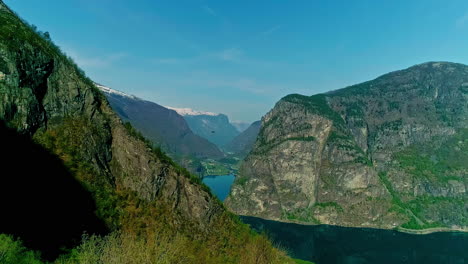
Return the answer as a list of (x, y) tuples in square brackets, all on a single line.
[(385, 153)]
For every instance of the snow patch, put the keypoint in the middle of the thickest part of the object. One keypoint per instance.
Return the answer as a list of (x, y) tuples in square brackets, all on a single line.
[(190, 112), (108, 90)]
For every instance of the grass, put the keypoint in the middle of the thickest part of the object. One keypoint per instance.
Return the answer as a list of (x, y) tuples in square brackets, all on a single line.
[(301, 215)]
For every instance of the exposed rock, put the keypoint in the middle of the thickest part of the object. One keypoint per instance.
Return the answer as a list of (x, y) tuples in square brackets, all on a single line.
[(41, 91), (378, 154)]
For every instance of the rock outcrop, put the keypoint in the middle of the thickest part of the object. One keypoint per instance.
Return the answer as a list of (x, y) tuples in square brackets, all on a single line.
[(385, 153), (42, 91)]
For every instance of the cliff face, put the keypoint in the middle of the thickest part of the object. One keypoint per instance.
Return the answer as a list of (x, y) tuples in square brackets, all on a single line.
[(385, 153), (43, 94), (84, 171), (215, 128)]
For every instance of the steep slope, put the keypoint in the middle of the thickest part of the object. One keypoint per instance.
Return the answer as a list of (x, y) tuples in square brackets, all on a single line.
[(214, 127), (137, 190), (243, 143), (162, 126), (385, 153), (240, 125)]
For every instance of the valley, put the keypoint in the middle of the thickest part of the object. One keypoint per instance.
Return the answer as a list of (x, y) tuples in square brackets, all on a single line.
[(374, 172)]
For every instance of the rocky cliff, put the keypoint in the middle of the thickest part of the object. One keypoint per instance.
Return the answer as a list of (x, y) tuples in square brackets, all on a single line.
[(43, 94), (385, 153), (46, 98), (215, 128)]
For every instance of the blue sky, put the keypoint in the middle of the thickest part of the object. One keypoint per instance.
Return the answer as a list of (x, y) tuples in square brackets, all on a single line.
[(240, 57)]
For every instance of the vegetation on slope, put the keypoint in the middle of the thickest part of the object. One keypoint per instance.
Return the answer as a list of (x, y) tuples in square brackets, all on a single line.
[(141, 230)]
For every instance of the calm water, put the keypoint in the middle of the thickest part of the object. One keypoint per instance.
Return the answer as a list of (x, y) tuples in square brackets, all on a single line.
[(219, 185), (331, 244), (342, 245)]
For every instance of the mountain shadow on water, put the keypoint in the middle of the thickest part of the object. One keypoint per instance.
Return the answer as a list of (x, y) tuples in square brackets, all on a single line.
[(41, 202)]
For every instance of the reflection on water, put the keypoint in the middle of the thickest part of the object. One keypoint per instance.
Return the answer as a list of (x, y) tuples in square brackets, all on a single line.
[(341, 245), (219, 185)]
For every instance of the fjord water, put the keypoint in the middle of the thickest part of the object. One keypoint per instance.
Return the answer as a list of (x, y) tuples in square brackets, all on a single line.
[(325, 244), (220, 185)]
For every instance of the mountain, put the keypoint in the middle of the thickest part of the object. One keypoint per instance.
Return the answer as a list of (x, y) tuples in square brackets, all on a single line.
[(162, 126), (243, 143), (391, 152), (73, 168), (214, 127), (240, 125)]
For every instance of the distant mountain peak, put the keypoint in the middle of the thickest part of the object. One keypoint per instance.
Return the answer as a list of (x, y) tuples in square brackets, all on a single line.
[(190, 112), (108, 90)]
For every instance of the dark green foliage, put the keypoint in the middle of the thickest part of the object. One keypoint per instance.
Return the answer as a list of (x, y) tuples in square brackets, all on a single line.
[(229, 160), (441, 162), (330, 204), (388, 185), (316, 104), (13, 252), (336, 136), (392, 125), (301, 215), (355, 109), (241, 180), (309, 138)]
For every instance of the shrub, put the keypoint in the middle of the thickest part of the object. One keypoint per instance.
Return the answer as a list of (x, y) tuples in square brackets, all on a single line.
[(13, 252)]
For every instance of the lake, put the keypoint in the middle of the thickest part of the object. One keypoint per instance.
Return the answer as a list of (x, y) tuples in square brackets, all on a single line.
[(325, 244), (220, 185)]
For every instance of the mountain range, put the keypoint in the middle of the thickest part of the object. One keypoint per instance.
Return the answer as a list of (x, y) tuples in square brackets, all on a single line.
[(387, 153), (214, 127), (243, 143), (164, 127), (80, 183)]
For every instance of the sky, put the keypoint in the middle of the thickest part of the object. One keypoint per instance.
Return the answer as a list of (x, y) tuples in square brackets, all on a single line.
[(240, 57)]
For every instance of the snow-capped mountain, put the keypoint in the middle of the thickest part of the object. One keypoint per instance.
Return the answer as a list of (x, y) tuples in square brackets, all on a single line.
[(108, 90), (162, 126), (190, 112)]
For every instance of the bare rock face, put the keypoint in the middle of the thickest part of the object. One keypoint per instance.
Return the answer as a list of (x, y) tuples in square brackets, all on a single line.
[(385, 153)]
